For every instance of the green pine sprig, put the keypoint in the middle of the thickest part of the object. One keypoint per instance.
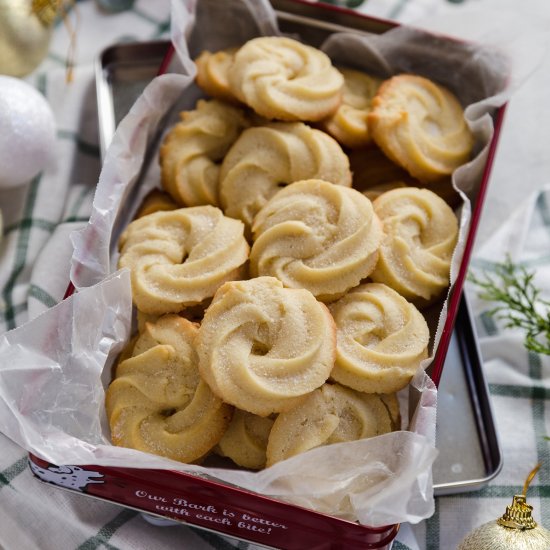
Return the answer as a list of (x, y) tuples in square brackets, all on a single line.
[(518, 302)]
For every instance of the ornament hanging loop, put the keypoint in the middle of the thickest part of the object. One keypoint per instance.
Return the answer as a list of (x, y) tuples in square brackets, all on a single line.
[(530, 478)]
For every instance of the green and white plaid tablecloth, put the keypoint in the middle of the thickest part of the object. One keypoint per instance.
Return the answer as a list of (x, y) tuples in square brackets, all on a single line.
[(38, 219)]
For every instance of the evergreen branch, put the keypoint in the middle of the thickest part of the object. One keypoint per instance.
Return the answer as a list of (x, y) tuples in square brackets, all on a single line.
[(518, 303)]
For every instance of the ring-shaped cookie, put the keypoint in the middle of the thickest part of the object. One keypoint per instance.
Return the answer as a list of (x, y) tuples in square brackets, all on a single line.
[(266, 158), (179, 258), (193, 149), (316, 235), (420, 125), (213, 73), (420, 233), (381, 339), (330, 414), (281, 78), (158, 403), (349, 124), (262, 347)]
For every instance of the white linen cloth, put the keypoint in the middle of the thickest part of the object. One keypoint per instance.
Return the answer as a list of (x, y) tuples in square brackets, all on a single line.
[(38, 219)]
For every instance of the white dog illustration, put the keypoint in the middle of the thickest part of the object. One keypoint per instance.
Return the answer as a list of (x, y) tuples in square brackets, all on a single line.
[(71, 477)]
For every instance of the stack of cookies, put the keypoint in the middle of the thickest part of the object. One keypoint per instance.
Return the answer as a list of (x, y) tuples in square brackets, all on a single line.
[(303, 221)]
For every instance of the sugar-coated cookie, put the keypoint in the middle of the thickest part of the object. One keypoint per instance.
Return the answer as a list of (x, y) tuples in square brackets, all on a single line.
[(283, 79), (213, 73), (420, 125), (262, 347), (420, 234), (316, 235), (266, 158), (330, 414), (158, 402), (193, 149), (381, 339), (348, 125), (181, 257)]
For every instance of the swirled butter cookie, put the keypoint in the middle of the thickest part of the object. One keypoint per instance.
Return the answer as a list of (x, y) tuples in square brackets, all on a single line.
[(192, 150), (380, 339), (420, 233), (266, 158), (262, 347), (330, 414), (245, 440), (348, 125), (213, 73), (420, 125), (316, 235), (281, 78), (158, 403), (180, 257)]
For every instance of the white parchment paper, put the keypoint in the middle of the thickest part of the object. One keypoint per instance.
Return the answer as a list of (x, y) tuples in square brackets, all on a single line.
[(55, 368)]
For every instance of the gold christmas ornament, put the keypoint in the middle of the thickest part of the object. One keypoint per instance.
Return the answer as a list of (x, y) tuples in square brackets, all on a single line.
[(25, 33), (515, 530)]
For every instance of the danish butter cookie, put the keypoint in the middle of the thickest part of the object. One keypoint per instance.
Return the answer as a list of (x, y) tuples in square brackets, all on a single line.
[(266, 158), (380, 339), (179, 258), (281, 78), (213, 73), (158, 403), (262, 347), (420, 233), (420, 126), (330, 414), (245, 440), (192, 150), (316, 235), (348, 125)]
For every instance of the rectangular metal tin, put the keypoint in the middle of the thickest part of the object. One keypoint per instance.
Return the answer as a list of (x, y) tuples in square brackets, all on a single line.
[(122, 72)]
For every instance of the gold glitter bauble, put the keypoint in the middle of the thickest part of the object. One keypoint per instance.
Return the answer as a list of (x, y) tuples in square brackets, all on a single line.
[(25, 32), (492, 536), (515, 530)]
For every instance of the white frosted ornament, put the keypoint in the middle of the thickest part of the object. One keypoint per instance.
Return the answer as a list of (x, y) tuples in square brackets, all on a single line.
[(27, 132)]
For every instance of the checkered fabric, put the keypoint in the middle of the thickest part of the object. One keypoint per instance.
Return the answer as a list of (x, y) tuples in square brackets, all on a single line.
[(39, 218)]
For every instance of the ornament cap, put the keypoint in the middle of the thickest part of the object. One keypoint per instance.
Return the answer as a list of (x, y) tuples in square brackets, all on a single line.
[(518, 515)]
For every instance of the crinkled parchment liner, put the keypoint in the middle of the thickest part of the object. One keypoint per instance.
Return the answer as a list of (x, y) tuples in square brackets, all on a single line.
[(55, 368)]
